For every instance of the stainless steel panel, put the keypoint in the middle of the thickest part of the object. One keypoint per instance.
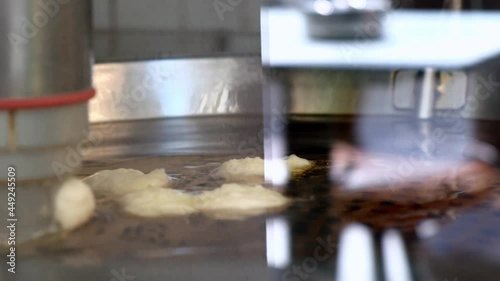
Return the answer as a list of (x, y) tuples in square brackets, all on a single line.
[(240, 135), (372, 93), (191, 87), (339, 92), (178, 87), (412, 39), (452, 92), (45, 47)]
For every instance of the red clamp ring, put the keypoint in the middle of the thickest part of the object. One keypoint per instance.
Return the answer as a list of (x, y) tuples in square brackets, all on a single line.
[(47, 101)]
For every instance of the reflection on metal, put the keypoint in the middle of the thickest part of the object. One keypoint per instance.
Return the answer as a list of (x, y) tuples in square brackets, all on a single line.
[(482, 151), (356, 256), (344, 18), (276, 171), (465, 248), (323, 7), (427, 95), (361, 4), (328, 7), (278, 243), (179, 87), (428, 229), (395, 257), (358, 170), (275, 143)]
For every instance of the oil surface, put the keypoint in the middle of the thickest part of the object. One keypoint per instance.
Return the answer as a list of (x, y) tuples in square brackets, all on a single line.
[(197, 246)]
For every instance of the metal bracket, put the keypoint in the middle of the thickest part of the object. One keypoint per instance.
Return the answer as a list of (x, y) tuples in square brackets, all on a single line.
[(421, 89)]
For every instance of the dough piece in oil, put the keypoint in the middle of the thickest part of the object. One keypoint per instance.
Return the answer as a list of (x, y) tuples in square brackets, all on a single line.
[(236, 201), (122, 181), (254, 167), (296, 164), (155, 201), (74, 204)]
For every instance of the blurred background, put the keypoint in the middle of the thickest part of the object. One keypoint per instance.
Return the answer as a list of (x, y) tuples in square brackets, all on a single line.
[(134, 30), (129, 29)]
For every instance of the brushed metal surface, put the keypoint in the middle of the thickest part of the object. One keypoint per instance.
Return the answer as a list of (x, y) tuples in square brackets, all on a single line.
[(178, 87), (219, 86), (45, 47), (240, 135)]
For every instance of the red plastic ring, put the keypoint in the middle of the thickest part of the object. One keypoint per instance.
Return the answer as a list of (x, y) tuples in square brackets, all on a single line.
[(48, 101)]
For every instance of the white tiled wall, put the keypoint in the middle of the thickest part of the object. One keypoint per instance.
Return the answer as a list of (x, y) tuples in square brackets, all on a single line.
[(160, 15)]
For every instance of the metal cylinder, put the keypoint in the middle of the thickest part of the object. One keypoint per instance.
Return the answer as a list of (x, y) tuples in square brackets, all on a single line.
[(45, 85), (45, 47)]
